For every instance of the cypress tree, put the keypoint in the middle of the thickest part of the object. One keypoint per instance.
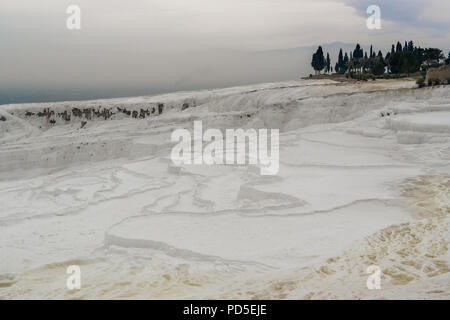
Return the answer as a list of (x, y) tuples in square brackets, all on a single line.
[(318, 60), (328, 63), (345, 62), (314, 62), (340, 63), (358, 52)]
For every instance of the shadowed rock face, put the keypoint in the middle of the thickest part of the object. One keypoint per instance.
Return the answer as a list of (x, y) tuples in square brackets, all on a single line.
[(64, 113), (88, 113), (46, 115), (94, 113)]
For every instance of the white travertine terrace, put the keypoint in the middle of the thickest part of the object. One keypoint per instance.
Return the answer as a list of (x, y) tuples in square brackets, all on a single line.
[(364, 180)]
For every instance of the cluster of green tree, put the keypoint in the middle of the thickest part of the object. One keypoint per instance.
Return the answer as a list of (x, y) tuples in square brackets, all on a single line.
[(405, 59), (319, 62)]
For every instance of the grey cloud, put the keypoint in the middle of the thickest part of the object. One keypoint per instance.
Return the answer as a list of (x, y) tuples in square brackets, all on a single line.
[(150, 46), (410, 12)]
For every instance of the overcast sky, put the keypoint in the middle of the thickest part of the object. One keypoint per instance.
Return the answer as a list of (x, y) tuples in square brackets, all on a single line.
[(149, 46)]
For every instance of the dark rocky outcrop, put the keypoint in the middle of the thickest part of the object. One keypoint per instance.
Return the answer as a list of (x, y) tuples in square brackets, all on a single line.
[(160, 108), (46, 113), (144, 113), (104, 113), (66, 113), (188, 104)]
